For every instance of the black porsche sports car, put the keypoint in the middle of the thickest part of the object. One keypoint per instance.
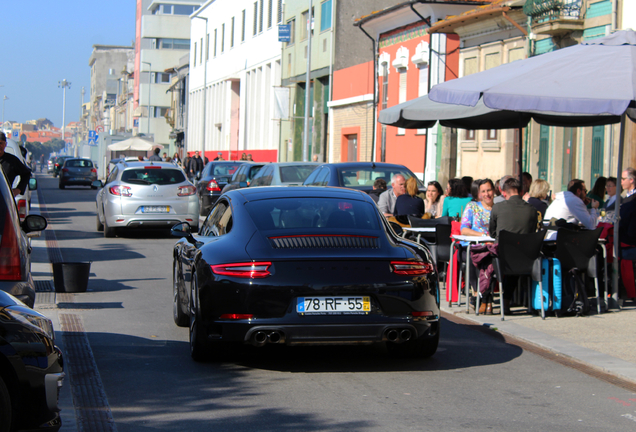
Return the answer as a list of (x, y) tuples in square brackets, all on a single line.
[(303, 265)]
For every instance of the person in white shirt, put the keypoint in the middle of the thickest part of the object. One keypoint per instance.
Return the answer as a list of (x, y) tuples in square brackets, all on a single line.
[(570, 205), (628, 181), (386, 202)]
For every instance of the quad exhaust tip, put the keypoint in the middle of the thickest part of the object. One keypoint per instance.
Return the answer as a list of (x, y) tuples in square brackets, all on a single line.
[(397, 335), (263, 337)]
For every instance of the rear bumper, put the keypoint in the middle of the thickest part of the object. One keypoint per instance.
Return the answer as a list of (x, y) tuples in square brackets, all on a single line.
[(78, 182), (260, 332), (151, 222)]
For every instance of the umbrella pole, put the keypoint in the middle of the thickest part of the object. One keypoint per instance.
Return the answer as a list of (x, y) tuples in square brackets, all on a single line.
[(520, 156), (613, 300)]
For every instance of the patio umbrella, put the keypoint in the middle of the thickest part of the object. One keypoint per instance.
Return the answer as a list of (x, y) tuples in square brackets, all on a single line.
[(597, 77), (134, 143)]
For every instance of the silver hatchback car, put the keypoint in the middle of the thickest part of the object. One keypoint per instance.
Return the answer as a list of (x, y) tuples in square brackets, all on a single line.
[(145, 195)]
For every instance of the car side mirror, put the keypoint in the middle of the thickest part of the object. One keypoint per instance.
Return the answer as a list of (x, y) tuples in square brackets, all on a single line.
[(243, 184), (183, 230), (98, 184), (33, 184), (33, 223)]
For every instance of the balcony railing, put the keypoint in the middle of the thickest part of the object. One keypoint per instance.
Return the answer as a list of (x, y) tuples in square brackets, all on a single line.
[(554, 16)]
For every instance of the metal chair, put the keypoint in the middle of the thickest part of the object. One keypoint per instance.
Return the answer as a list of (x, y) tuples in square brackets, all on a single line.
[(578, 249), (519, 255)]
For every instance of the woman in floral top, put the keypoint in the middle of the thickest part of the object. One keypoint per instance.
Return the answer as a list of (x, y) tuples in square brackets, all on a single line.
[(475, 222)]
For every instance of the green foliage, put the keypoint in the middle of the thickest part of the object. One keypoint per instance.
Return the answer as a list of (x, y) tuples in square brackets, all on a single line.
[(38, 148)]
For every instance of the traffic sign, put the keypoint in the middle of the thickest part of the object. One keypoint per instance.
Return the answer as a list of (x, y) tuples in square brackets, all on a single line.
[(92, 142), (284, 33), (99, 128), (14, 133), (91, 134)]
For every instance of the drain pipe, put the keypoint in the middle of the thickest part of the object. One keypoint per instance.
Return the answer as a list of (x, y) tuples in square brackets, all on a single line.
[(375, 93)]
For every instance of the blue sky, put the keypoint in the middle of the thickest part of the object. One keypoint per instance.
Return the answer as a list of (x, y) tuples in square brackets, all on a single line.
[(46, 41)]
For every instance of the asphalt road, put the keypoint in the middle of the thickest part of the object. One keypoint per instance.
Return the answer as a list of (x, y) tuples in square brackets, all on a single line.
[(476, 381)]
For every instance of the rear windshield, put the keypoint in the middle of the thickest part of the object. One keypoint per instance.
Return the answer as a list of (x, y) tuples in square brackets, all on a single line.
[(295, 174), (161, 176), (79, 163), (224, 170), (352, 177), (316, 214)]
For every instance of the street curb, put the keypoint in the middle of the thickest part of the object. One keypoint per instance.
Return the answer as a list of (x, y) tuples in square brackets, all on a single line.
[(598, 361)]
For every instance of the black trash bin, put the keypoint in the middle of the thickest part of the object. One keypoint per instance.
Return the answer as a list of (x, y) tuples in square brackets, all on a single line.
[(71, 277)]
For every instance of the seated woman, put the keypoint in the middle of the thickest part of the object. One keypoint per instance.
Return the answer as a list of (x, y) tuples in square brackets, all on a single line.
[(538, 196), (475, 222), (409, 203), (456, 198), (597, 193), (434, 202)]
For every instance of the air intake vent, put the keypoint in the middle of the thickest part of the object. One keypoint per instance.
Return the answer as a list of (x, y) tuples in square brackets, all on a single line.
[(324, 241)]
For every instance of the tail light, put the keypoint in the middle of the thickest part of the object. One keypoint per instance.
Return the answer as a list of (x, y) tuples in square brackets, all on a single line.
[(120, 191), (94, 171), (411, 268), (422, 313), (22, 208), (186, 190), (213, 186), (237, 316), (10, 267), (243, 270), (57, 165), (64, 169)]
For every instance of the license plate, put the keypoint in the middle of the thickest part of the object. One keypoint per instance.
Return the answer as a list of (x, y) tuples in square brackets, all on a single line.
[(333, 305), (155, 209)]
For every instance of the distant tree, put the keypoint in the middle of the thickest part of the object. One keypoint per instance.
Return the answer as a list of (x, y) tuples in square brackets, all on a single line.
[(51, 146)]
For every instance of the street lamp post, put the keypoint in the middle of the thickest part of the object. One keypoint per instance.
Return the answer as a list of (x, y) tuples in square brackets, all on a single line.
[(307, 88), (149, 77), (64, 85), (3, 99), (205, 82)]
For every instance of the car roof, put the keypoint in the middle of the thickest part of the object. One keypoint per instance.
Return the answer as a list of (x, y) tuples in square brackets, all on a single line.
[(364, 164), (142, 164), (272, 192), (281, 164)]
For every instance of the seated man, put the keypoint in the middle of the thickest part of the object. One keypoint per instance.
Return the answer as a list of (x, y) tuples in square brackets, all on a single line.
[(570, 205), (514, 215), (379, 186), (386, 203)]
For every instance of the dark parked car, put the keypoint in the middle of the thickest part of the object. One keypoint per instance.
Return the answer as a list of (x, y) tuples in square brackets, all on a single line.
[(214, 177), (59, 162), (283, 174), (243, 176), (303, 266), (32, 369), (77, 172), (15, 252), (357, 175)]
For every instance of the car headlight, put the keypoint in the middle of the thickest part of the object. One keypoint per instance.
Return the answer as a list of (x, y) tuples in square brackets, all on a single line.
[(33, 320)]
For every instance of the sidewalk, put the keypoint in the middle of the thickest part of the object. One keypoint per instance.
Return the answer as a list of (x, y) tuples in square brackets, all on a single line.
[(605, 342)]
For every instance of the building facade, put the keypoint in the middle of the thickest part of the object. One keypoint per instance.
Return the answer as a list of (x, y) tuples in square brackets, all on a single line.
[(235, 101), (162, 37), (294, 77)]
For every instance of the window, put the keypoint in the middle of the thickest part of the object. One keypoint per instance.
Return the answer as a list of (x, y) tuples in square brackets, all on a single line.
[(325, 15), (243, 26), (183, 10), (260, 17), (159, 111), (385, 85), (207, 46), (201, 52), (470, 135), (279, 20), (304, 24), (269, 14), (166, 9), (232, 34), (255, 18), (402, 93), (162, 78), (222, 37), (162, 43), (491, 134), (214, 42), (144, 176), (195, 54), (292, 31)]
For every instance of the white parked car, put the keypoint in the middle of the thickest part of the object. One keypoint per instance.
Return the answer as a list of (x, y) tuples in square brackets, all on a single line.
[(24, 200), (145, 195)]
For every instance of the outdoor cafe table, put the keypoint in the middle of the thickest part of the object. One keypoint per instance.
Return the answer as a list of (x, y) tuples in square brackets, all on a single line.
[(471, 240)]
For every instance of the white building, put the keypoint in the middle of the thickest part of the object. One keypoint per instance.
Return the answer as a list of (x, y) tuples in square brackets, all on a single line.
[(235, 56), (162, 38)]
